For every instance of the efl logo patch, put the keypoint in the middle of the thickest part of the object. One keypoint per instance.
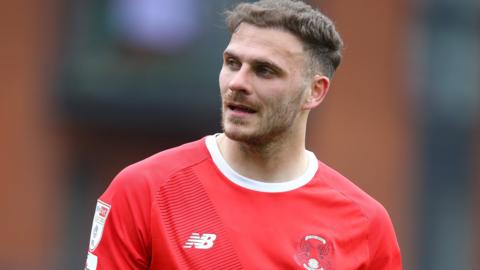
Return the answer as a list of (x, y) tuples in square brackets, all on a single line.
[(101, 214)]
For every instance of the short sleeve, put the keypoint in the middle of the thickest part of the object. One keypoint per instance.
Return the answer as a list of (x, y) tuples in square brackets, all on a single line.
[(120, 237), (383, 245)]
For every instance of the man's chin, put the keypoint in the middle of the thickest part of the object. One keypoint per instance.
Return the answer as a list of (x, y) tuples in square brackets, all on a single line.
[(236, 135), (244, 137), (244, 133)]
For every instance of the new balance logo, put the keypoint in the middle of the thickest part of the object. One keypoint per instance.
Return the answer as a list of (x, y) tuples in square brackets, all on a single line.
[(204, 241)]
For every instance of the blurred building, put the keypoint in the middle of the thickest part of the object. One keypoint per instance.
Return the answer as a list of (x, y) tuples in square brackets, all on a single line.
[(89, 87)]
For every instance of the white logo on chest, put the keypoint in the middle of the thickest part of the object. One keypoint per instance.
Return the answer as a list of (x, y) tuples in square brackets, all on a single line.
[(204, 241)]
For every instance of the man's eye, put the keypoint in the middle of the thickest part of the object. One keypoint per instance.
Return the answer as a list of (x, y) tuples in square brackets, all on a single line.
[(265, 71), (232, 63)]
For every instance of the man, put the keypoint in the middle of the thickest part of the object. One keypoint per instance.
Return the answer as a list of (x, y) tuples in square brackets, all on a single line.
[(251, 197)]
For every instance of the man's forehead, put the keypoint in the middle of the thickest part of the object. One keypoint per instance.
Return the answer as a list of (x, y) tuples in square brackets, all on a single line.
[(260, 40)]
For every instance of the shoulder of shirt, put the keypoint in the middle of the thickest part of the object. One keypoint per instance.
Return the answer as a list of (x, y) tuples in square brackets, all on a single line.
[(380, 233), (370, 207), (160, 166)]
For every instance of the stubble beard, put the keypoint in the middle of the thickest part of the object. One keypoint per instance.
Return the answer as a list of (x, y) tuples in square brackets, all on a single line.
[(272, 127)]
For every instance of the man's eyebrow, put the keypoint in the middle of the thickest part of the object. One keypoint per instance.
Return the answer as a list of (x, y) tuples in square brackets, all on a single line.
[(231, 54), (262, 62)]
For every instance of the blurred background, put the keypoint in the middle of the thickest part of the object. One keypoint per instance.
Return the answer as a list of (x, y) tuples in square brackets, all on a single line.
[(88, 87)]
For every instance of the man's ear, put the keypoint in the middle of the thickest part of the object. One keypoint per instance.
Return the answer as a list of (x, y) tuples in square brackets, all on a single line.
[(318, 91)]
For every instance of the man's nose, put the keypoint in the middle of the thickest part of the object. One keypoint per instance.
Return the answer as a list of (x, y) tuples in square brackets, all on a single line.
[(241, 80)]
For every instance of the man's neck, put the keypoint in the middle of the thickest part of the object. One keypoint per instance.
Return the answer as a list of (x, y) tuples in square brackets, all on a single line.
[(278, 161)]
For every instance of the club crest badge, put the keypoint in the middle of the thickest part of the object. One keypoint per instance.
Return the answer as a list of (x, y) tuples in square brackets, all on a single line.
[(101, 213), (314, 253)]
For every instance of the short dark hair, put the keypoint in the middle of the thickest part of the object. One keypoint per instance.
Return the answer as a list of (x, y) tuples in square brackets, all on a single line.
[(313, 28)]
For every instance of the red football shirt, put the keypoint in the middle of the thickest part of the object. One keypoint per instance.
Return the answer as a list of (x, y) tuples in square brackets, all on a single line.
[(186, 208)]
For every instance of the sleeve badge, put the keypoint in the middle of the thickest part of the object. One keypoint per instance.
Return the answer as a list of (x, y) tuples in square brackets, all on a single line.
[(101, 213)]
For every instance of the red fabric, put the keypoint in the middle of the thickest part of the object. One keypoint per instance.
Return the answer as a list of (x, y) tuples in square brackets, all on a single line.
[(157, 204)]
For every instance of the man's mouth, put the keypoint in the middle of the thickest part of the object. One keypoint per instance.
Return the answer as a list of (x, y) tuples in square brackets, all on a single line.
[(241, 108)]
